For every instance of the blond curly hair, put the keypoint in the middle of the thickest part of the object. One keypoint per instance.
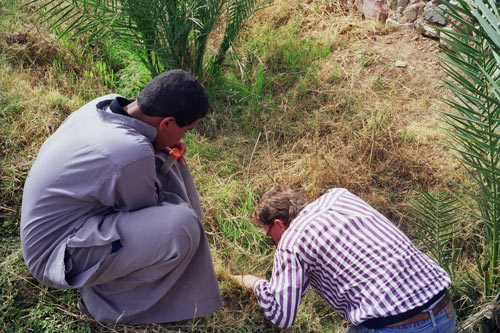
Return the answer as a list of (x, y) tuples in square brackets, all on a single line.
[(279, 203)]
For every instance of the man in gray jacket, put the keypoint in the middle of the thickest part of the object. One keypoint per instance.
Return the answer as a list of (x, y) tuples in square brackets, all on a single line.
[(98, 215)]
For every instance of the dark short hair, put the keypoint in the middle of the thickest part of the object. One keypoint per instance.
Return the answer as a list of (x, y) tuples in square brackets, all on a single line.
[(279, 203), (177, 94)]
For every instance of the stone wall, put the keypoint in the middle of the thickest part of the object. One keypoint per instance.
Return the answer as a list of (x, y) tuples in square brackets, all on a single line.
[(421, 15)]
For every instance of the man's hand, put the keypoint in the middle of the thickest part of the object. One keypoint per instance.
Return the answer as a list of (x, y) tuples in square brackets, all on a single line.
[(181, 145), (246, 281)]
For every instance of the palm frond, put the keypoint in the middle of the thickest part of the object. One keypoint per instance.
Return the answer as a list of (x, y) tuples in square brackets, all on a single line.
[(472, 63), (161, 34), (436, 225), (238, 12)]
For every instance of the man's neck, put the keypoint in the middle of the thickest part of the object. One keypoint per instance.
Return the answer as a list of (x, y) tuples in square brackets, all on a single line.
[(134, 110)]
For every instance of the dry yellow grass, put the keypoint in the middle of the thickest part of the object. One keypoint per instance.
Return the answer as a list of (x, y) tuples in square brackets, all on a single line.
[(374, 127)]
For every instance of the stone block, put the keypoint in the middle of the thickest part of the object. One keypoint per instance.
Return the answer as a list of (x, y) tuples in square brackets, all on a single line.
[(375, 10), (433, 15), (412, 11)]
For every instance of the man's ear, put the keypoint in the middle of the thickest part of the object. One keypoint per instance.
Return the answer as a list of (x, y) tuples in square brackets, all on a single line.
[(280, 224), (166, 121)]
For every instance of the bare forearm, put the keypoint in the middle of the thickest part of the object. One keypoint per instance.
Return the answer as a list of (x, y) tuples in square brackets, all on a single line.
[(246, 281)]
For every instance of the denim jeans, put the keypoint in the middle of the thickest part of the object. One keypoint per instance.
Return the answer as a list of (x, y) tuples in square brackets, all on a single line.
[(437, 323)]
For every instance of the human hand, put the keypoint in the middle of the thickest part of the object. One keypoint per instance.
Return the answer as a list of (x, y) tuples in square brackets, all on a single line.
[(181, 145), (246, 281)]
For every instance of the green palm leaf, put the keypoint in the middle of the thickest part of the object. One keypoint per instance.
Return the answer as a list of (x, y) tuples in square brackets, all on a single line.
[(472, 63), (436, 225), (161, 34)]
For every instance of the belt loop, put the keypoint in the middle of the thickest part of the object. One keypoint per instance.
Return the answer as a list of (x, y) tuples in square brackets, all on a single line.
[(433, 319)]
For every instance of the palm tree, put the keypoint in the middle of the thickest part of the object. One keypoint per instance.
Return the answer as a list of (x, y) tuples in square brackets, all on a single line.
[(472, 63), (162, 34)]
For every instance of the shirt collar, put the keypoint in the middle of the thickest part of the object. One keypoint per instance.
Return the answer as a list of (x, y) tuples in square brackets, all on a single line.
[(115, 114), (118, 104)]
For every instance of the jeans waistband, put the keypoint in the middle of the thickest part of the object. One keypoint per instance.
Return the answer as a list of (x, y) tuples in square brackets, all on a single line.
[(384, 321)]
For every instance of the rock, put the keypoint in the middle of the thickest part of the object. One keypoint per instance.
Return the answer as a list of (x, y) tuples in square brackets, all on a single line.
[(375, 10), (398, 26), (411, 12), (419, 27), (403, 3), (431, 31), (401, 64), (434, 15), (427, 29)]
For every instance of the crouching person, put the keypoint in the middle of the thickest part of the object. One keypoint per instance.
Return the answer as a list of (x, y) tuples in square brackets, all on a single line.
[(356, 259), (101, 212)]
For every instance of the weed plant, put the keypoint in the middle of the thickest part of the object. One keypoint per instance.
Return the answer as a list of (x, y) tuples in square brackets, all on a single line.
[(311, 102)]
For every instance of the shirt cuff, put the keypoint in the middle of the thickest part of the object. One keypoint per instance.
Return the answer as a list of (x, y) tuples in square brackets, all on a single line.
[(255, 283)]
